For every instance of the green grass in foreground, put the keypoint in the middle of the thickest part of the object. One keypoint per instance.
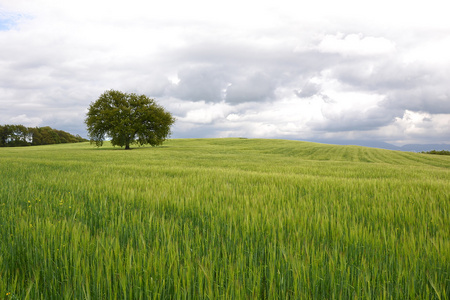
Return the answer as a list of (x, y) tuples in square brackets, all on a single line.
[(223, 218)]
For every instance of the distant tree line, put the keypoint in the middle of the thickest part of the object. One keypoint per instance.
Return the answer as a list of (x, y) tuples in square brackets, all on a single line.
[(442, 152), (19, 135)]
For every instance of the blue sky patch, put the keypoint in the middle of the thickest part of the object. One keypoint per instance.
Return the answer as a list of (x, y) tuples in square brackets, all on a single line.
[(5, 24), (9, 20)]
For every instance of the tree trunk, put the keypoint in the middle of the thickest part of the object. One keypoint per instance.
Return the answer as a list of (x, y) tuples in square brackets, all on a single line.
[(127, 146)]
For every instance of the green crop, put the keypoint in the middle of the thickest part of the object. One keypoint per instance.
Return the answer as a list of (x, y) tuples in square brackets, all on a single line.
[(223, 219)]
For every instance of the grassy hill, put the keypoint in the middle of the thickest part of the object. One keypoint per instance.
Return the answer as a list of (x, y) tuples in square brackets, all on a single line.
[(223, 218)]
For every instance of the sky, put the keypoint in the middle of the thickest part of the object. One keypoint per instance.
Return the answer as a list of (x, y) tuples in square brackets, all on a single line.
[(303, 70)]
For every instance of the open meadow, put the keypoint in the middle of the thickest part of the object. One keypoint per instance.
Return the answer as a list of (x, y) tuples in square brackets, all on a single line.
[(223, 219)]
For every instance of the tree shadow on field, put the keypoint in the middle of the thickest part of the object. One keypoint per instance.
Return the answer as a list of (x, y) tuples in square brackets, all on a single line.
[(110, 148)]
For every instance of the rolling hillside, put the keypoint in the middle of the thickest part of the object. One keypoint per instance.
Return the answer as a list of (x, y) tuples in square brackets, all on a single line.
[(223, 218)]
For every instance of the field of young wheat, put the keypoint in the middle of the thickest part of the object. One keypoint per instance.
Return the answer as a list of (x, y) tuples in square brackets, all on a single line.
[(223, 219)]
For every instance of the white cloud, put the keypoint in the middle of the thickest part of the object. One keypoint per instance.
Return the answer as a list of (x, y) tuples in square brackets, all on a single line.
[(245, 68), (26, 121), (205, 113), (233, 117), (418, 127), (434, 52), (356, 44)]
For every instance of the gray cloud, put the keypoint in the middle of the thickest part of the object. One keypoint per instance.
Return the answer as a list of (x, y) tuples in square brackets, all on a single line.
[(256, 87), (412, 86), (242, 72), (381, 75), (431, 99), (199, 83), (256, 67), (308, 90), (355, 120)]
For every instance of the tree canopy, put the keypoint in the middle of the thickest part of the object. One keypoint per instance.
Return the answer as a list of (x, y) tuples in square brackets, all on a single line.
[(19, 135), (127, 118)]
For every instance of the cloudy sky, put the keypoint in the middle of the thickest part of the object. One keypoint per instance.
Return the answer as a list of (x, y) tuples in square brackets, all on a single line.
[(306, 70)]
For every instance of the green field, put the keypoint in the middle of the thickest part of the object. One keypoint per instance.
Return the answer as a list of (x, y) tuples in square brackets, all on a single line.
[(223, 219)]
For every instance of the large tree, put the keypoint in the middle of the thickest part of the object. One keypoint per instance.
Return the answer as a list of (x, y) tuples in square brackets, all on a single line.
[(126, 119)]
